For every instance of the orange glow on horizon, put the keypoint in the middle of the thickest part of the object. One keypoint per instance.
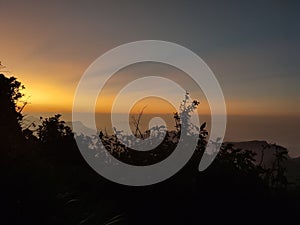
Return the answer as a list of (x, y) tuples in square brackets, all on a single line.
[(52, 95), (48, 99)]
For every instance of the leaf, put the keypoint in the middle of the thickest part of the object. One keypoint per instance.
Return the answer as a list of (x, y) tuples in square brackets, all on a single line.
[(203, 126)]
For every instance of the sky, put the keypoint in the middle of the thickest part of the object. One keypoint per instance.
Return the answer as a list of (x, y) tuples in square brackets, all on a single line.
[(252, 47)]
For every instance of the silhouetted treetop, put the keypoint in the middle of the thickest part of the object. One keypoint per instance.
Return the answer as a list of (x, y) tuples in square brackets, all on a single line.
[(53, 130), (10, 114), (10, 93)]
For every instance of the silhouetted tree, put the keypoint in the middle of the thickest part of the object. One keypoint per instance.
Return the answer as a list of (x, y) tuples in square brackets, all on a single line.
[(10, 116), (53, 131), (278, 177), (56, 140)]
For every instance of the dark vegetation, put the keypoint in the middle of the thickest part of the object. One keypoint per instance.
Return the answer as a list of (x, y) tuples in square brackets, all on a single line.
[(46, 181)]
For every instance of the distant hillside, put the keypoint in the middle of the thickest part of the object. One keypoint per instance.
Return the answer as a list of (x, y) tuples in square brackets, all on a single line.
[(264, 151), (262, 147), (32, 121)]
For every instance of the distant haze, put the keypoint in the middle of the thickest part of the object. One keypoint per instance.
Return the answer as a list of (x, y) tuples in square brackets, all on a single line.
[(282, 130)]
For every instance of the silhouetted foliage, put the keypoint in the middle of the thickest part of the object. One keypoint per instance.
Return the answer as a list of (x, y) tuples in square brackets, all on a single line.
[(49, 183), (10, 116), (278, 171), (122, 146), (53, 131), (56, 140)]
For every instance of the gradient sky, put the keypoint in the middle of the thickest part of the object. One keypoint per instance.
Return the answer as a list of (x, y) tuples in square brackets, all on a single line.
[(252, 47)]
